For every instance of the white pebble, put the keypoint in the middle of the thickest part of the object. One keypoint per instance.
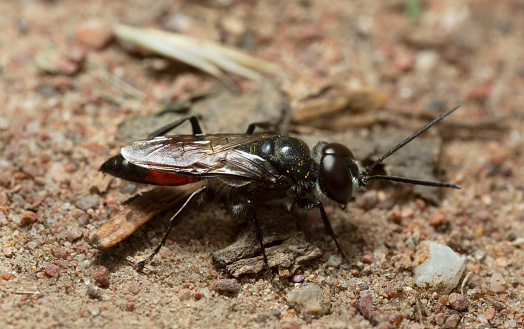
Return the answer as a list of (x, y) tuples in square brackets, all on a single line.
[(438, 268), (498, 284)]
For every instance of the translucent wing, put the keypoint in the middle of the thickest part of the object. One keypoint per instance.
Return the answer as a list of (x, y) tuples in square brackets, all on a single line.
[(203, 156)]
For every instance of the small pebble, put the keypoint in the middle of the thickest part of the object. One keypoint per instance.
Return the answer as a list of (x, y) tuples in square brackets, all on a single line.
[(185, 294), (497, 282), (52, 270), (101, 276), (6, 275), (165, 252), (195, 279), (404, 62), (412, 241), (394, 215), (407, 213), (290, 325), (378, 317), (309, 299), (436, 218), (87, 202), (3, 200), (59, 253), (262, 318), (383, 325), (502, 262), (73, 233), (482, 216), (134, 287), (479, 92), (393, 317), (437, 267), (226, 286), (334, 261), (30, 170), (366, 306), (368, 200), (401, 261), (490, 313), (458, 302), (297, 278), (82, 218), (421, 204), (408, 252), (511, 236), (28, 217), (392, 291), (94, 293), (77, 54), (94, 34), (440, 319), (452, 321), (9, 252), (277, 313), (130, 306), (367, 257), (426, 61)]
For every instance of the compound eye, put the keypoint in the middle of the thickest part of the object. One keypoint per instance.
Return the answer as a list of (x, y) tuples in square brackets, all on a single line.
[(337, 149), (335, 179)]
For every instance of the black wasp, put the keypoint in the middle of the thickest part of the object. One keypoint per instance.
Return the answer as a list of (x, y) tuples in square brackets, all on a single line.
[(251, 170)]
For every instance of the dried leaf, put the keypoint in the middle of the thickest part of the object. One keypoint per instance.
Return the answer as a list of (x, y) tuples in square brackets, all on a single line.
[(138, 212), (206, 55), (328, 108)]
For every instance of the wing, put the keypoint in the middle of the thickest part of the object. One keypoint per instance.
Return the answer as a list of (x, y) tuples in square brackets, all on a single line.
[(202, 156)]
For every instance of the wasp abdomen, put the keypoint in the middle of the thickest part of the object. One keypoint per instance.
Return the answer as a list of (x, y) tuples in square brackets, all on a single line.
[(119, 167)]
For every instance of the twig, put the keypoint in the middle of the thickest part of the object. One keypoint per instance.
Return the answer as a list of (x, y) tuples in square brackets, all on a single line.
[(464, 282)]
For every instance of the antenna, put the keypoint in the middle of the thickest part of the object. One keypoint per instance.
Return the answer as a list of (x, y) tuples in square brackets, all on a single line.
[(407, 140), (410, 181), (365, 172)]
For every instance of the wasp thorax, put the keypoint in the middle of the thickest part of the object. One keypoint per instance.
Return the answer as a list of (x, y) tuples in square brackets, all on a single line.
[(289, 155)]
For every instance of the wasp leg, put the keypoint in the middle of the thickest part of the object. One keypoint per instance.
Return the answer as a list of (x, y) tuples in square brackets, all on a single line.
[(192, 201), (285, 110), (258, 232), (310, 204), (194, 124), (263, 125), (327, 226)]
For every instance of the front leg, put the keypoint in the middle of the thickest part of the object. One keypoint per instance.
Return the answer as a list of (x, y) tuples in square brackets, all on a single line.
[(308, 204)]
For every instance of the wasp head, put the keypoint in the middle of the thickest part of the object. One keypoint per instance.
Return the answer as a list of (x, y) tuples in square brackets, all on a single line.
[(339, 175)]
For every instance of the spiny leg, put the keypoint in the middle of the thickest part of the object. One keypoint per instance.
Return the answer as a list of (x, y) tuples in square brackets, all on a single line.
[(197, 130), (258, 232), (309, 204), (195, 125), (263, 125), (327, 226), (191, 202), (273, 126)]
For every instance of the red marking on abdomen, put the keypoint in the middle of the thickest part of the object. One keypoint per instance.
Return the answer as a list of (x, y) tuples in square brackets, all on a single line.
[(162, 178)]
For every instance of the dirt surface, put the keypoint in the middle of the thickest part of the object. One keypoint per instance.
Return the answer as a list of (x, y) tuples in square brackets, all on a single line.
[(61, 108)]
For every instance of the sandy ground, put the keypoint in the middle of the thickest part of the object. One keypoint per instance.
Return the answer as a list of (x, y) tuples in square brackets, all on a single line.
[(60, 110)]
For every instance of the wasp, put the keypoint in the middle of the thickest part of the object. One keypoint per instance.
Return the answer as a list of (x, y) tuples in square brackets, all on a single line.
[(250, 170)]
